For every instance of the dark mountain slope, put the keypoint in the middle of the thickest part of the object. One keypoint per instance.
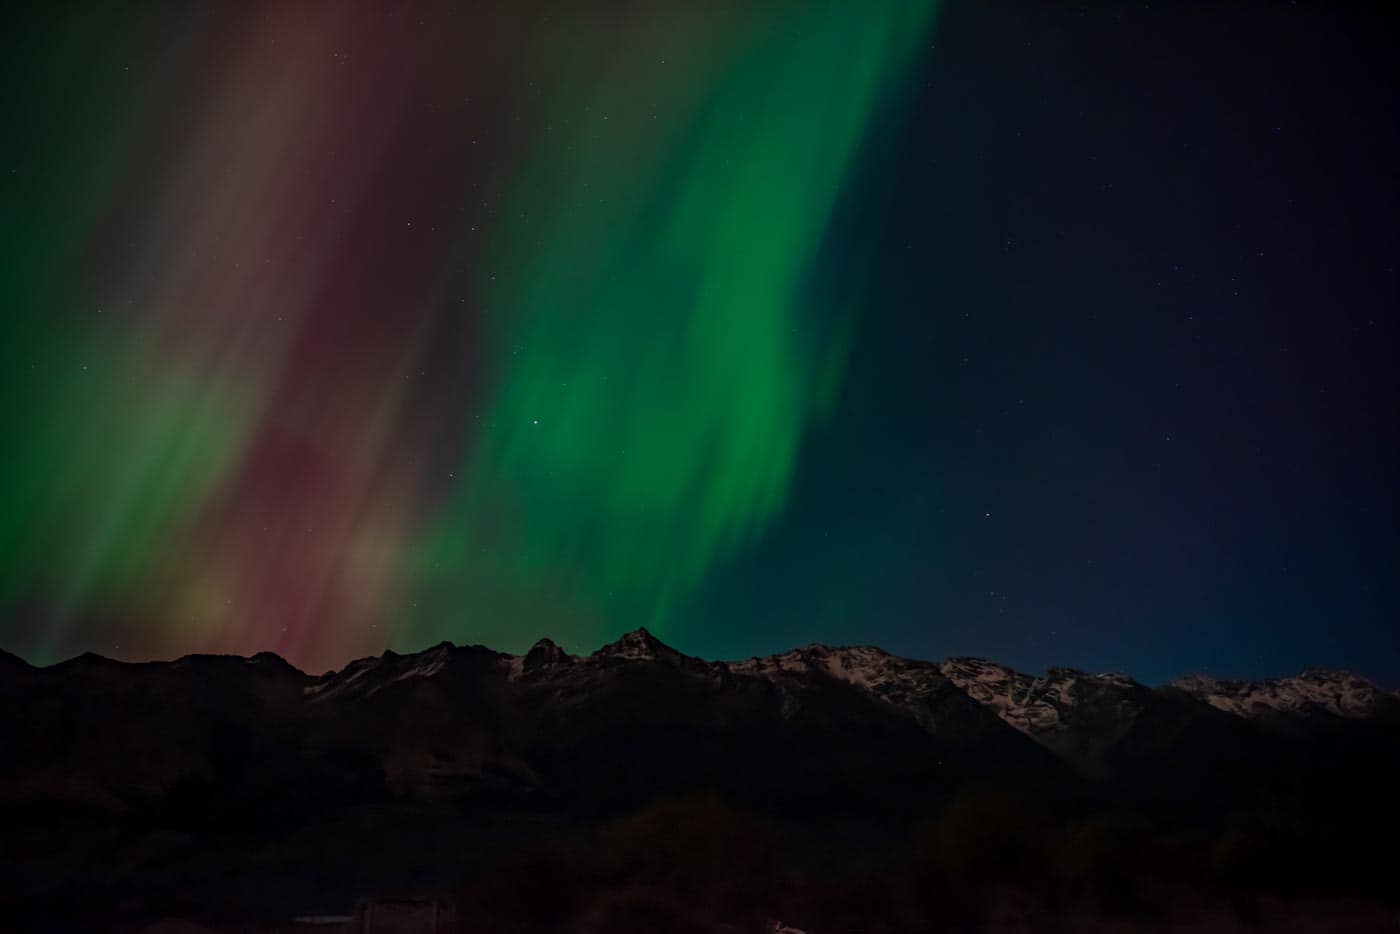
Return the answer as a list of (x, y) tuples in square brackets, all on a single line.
[(406, 770)]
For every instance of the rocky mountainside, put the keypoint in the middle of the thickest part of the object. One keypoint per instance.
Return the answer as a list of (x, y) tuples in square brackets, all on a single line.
[(1315, 692)]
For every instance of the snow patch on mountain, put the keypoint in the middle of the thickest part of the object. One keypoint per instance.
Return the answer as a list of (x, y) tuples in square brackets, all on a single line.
[(1035, 705), (901, 682), (1043, 707), (368, 676), (1315, 691), (862, 665), (1023, 701)]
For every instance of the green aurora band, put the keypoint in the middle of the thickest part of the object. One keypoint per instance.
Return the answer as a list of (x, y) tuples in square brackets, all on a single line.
[(659, 354)]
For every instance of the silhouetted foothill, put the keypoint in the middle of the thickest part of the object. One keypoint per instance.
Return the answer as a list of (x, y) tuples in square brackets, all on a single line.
[(9, 661)]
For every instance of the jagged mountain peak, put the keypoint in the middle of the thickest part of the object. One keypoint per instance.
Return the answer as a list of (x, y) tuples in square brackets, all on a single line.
[(1312, 691), (545, 653), (638, 645), (366, 676)]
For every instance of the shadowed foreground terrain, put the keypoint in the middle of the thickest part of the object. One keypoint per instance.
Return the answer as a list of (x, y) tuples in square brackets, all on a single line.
[(829, 789)]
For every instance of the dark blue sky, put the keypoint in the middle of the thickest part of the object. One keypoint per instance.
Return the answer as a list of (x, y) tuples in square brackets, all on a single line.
[(1130, 399)]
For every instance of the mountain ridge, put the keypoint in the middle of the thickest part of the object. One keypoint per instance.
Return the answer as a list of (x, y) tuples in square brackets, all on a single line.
[(1102, 727), (1355, 694)]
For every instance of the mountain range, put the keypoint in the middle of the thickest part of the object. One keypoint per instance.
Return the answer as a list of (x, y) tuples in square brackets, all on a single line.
[(189, 765), (106, 734)]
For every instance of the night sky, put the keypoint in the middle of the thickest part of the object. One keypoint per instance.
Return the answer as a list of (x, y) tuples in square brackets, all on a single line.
[(1057, 333)]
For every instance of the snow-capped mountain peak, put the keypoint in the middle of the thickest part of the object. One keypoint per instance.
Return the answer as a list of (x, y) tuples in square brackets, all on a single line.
[(1314, 691)]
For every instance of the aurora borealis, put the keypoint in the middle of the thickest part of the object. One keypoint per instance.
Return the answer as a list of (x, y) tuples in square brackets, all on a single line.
[(393, 323), (654, 384), (1002, 329)]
